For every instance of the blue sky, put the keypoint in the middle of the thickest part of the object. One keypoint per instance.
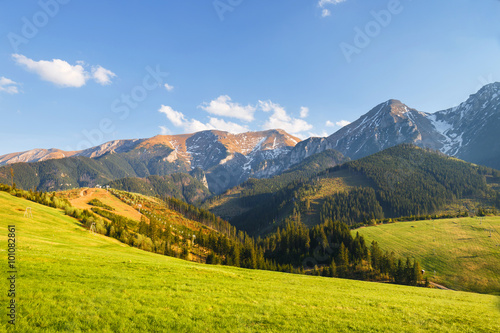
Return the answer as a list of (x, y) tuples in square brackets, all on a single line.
[(75, 74)]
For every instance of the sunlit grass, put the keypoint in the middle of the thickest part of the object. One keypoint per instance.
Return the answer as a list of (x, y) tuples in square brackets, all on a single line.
[(71, 280), (461, 251)]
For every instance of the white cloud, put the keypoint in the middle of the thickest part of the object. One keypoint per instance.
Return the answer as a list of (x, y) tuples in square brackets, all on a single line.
[(102, 75), (169, 87), (342, 123), (223, 106), (164, 130), (8, 86), (318, 135), (62, 73), (175, 117), (323, 3), (304, 112), (281, 120), (231, 127), (56, 71), (179, 120)]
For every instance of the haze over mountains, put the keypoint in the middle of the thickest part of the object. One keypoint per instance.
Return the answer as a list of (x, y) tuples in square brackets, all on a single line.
[(468, 131)]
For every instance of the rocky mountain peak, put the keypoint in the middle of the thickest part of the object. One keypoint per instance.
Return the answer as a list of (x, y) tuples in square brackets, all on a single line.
[(397, 108), (489, 90)]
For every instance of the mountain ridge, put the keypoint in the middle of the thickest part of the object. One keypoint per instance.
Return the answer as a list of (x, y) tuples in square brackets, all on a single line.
[(225, 160), (468, 131)]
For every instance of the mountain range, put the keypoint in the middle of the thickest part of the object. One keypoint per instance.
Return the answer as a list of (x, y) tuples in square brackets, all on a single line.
[(222, 160), (468, 131), (219, 160)]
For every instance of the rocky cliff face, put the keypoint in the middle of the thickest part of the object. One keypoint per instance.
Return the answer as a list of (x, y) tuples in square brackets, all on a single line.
[(471, 131), (388, 124)]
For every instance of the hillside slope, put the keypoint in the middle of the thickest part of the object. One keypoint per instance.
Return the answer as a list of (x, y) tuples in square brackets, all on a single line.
[(457, 253), (76, 281), (263, 192), (177, 185)]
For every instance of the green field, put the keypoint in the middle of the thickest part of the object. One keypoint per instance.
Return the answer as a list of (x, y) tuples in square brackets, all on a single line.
[(71, 280), (461, 251)]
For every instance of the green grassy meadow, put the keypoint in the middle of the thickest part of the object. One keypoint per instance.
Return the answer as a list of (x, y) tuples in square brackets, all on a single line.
[(71, 280), (460, 250)]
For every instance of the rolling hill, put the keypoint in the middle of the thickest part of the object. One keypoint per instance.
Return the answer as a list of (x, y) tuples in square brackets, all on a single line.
[(171, 228), (72, 280), (177, 185), (457, 253)]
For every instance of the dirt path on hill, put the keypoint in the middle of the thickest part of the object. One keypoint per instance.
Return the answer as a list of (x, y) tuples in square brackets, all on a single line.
[(439, 286)]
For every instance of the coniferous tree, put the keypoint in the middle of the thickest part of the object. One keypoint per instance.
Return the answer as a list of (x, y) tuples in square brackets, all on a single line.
[(343, 261), (408, 272), (417, 273), (333, 269), (399, 274)]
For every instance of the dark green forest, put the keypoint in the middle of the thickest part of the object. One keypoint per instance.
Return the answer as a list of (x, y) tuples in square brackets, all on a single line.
[(402, 181), (177, 185), (72, 172)]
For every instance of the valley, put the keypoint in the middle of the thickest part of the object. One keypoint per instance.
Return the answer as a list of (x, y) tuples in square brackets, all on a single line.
[(401, 181)]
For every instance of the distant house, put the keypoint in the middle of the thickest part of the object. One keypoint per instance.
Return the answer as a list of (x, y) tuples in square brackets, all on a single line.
[(98, 186)]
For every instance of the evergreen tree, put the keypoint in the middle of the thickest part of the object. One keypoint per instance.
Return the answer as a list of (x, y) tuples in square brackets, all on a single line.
[(408, 272), (376, 256), (417, 273), (399, 275), (343, 261), (333, 269)]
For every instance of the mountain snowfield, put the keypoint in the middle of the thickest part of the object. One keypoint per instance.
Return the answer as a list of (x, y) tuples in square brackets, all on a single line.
[(469, 131)]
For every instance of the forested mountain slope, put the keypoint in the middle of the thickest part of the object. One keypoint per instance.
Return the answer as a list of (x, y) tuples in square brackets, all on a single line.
[(177, 185), (401, 181)]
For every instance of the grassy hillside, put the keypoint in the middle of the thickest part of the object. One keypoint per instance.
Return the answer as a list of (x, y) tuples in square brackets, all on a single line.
[(71, 280), (459, 250), (80, 198), (146, 222)]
